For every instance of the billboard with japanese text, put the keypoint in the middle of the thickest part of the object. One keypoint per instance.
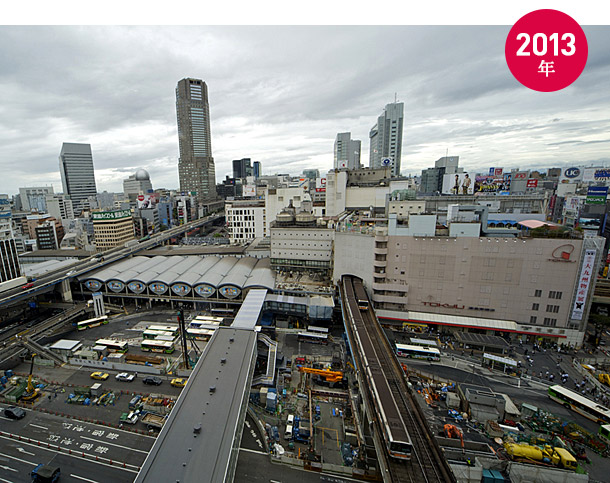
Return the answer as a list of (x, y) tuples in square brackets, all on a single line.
[(586, 275)]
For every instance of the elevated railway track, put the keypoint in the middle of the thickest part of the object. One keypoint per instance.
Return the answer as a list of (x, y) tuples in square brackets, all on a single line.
[(406, 450)]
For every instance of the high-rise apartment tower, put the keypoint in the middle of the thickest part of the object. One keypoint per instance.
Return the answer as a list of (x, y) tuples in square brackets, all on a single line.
[(386, 138), (77, 175), (196, 164)]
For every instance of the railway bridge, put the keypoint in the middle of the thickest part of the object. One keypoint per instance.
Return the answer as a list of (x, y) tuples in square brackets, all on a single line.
[(406, 450)]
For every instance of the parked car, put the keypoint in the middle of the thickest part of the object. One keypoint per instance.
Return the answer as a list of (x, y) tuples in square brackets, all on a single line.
[(102, 376), (125, 376), (27, 285), (14, 412), (152, 380), (178, 382)]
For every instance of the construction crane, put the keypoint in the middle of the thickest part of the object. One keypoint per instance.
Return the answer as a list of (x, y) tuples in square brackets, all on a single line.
[(329, 376), (452, 431), (31, 391)]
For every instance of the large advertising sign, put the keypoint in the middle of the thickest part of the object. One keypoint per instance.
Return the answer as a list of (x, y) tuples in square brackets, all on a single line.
[(249, 190), (597, 195), (458, 184), (586, 274), (145, 201), (492, 184), (532, 183), (111, 215), (596, 174), (320, 185), (571, 175)]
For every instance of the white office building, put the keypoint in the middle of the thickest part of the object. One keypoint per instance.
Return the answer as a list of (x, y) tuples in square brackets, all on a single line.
[(34, 198), (386, 138), (346, 152), (246, 220)]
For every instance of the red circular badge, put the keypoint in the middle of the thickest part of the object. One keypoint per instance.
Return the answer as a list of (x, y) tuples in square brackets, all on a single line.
[(546, 50)]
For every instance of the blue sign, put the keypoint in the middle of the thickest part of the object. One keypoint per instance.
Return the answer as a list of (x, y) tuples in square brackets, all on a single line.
[(572, 172), (32, 305), (492, 171)]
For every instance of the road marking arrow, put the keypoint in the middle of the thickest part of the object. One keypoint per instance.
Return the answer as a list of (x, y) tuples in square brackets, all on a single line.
[(21, 450)]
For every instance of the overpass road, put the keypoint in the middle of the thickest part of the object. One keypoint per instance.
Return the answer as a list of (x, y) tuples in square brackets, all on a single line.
[(48, 281)]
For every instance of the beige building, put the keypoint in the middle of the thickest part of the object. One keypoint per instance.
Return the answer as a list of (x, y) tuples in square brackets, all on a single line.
[(520, 284), (112, 229)]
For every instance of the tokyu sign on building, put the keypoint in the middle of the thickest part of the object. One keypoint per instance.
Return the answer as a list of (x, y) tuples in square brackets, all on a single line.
[(111, 215)]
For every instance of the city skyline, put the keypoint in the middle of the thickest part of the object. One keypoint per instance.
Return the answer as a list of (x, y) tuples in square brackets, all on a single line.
[(289, 107)]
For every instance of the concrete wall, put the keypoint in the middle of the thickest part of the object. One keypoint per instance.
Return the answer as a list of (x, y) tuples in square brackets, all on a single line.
[(354, 255), (110, 366)]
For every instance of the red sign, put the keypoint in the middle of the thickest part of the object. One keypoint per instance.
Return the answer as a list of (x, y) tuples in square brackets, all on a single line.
[(140, 197), (320, 190), (498, 172), (532, 183), (521, 175)]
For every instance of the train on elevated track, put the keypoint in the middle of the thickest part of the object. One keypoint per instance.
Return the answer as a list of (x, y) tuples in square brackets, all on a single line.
[(396, 437)]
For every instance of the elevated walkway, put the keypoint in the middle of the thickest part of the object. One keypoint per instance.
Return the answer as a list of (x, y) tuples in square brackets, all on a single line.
[(269, 376), (40, 351)]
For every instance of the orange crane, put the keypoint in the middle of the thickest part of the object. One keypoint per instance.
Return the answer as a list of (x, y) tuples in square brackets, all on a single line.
[(330, 376), (452, 431)]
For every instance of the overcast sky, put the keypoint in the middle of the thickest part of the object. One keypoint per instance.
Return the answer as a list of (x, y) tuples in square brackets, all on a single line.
[(280, 95)]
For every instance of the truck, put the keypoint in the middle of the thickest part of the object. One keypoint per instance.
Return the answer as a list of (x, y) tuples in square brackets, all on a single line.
[(546, 455), (153, 421), (129, 418)]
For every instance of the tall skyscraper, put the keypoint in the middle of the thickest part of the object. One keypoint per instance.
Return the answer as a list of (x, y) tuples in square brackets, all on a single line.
[(77, 175), (242, 168), (347, 151), (386, 138), (196, 164), (257, 170), (9, 258)]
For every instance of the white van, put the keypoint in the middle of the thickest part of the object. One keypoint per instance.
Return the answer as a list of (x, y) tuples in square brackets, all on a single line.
[(288, 432), (290, 420)]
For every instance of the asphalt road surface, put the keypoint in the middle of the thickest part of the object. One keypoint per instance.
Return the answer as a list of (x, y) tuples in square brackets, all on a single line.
[(84, 451)]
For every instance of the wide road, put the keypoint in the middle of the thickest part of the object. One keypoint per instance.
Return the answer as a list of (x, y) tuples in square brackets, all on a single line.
[(84, 451)]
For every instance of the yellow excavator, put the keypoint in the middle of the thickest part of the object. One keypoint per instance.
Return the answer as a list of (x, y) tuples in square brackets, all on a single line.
[(31, 392), (329, 376)]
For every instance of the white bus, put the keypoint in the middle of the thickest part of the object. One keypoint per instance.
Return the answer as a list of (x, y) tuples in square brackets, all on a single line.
[(157, 346), (113, 345), (580, 404), (89, 323), (153, 334), (174, 329), (199, 334), (316, 329), (418, 352)]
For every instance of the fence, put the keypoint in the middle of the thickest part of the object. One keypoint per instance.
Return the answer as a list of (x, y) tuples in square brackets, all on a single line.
[(117, 366)]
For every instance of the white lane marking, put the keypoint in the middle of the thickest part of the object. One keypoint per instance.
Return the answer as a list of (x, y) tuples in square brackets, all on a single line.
[(253, 451), (6, 419), (21, 450), (113, 444), (8, 468), (84, 479), (41, 427), (18, 459), (88, 457), (6, 481)]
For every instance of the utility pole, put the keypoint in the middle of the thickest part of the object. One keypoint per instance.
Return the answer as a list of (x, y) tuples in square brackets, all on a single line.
[(183, 338)]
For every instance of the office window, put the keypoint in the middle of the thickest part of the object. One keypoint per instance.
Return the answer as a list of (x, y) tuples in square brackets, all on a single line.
[(538, 293), (535, 306), (533, 319)]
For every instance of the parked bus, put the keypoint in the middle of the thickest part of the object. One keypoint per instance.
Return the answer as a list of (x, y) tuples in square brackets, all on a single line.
[(157, 346), (313, 337), (604, 433), (208, 318), (317, 330), (89, 323), (199, 334), (113, 345), (580, 404), (199, 324), (174, 329), (418, 352), (423, 342), (153, 334), (223, 312)]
